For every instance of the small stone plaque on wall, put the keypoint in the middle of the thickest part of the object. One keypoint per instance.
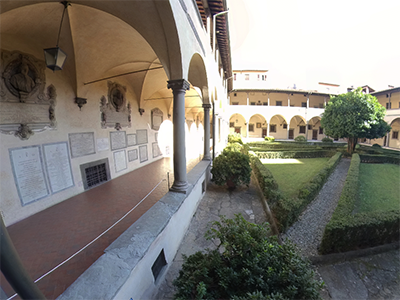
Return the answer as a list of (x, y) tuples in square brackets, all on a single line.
[(58, 166), (81, 144), (156, 150), (141, 135), (131, 139), (156, 118), (25, 106), (132, 155), (28, 173), (120, 160), (143, 153), (118, 140)]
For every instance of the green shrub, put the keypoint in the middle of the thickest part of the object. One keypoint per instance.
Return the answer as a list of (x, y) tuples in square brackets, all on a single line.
[(231, 168), (269, 139), (234, 147), (295, 154), (235, 138), (376, 146), (248, 264), (382, 159), (300, 139), (327, 140)]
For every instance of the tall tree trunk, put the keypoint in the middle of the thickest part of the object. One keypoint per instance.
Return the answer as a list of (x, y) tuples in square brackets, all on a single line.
[(351, 144)]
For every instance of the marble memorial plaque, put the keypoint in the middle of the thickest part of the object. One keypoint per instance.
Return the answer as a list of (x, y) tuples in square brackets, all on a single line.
[(156, 150), (132, 155), (120, 160), (156, 118), (29, 174), (81, 144), (141, 136), (143, 153), (103, 144), (131, 140), (58, 166), (118, 140)]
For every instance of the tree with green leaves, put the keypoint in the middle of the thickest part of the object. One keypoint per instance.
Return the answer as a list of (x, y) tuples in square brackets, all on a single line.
[(354, 115)]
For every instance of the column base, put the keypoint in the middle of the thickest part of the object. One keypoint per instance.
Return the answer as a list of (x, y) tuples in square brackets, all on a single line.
[(207, 157), (179, 187)]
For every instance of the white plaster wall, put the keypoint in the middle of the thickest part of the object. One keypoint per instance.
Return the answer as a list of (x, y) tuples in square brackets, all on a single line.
[(71, 120)]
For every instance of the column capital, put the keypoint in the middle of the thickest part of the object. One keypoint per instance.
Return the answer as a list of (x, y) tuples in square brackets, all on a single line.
[(206, 106), (175, 84)]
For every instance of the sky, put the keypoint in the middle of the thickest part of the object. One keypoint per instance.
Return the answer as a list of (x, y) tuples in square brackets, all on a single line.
[(304, 42)]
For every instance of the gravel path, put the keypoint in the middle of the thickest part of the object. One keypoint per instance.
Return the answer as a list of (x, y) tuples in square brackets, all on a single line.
[(307, 232)]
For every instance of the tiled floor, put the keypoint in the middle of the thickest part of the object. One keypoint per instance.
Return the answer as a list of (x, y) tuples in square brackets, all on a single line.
[(49, 237)]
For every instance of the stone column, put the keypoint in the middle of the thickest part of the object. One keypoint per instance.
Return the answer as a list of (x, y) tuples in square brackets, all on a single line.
[(308, 101), (267, 129), (206, 131), (248, 99), (307, 130), (179, 88)]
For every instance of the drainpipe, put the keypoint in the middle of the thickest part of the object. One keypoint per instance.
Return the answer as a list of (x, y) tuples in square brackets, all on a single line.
[(213, 128)]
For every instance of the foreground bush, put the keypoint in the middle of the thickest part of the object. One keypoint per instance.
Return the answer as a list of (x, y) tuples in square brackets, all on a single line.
[(231, 168), (327, 140), (246, 265)]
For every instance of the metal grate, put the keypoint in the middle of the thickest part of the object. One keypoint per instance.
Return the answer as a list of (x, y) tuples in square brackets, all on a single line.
[(96, 175), (159, 264)]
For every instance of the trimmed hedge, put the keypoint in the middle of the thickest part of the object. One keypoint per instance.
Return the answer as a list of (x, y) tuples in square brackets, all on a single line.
[(295, 154), (381, 159), (347, 231), (287, 210)]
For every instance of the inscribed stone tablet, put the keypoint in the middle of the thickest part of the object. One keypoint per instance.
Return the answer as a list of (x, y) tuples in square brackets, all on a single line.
[(143, 153), (120, 160), (131, 139), (28, 173), (103, 144), (132, 155), (81, 144), (118, 140), (156, 150), (141, 136), (58, 166)]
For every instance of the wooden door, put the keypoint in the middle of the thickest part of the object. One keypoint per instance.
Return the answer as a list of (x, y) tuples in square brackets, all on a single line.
[(315, 134), (291, 134)]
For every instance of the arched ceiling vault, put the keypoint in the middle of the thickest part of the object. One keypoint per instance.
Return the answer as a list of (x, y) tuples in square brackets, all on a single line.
[(102, 39)]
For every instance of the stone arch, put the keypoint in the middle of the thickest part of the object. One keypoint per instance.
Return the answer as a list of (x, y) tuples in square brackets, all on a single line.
[(277, 127), (299, 126), (238, 123), (394, 138), (314, 129), (257, 126)]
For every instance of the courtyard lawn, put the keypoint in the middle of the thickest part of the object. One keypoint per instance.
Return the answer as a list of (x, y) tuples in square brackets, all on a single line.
[(292, 174), (379, 187)]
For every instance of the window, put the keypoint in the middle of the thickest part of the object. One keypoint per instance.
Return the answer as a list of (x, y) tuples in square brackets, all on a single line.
[(278, 103), (388, 105), (234, 94), (258, 77), (272, 128), (309, 127), (284, 126), (303, 104), (263, 77), (252, 103), (251, 127), (395, 135), (235, 103), (336, 139), (265, 103), (258, 125), (259, 102), (302, 129), (246, 76), (321, 130), (231, 124), (234, 76)]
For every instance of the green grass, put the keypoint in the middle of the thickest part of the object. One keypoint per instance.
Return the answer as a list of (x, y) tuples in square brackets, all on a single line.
[(292, 174), (379, 187)]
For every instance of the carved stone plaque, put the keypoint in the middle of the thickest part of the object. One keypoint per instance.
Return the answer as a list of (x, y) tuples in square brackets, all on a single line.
[(58, 166), (143, 153), (118, 140), (131, 139), (156, 118), (115, 112), (141, 135), (25, 108), (156, 150), (120, 160), (81, 144), (29, 174), (132, 155)]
